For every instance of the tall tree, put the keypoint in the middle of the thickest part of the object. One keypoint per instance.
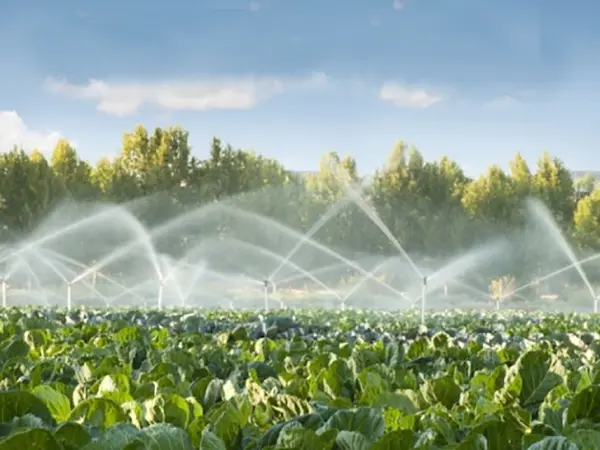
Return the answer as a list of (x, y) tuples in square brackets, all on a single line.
[(554, 185), (73, 173)]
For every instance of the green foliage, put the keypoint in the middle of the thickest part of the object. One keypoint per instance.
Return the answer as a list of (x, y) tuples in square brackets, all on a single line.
[(462, 382), (430, 206)]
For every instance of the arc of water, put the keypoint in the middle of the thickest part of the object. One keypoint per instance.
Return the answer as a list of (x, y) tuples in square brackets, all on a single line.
[(69, 283), (290, 263), (552, 275), (300, 276), (114, 256), (331, 212), (465, 262), (218, 275), (371, 214), (197, 276), (135, 225), (170, 276), (192, 281), (542, 212), (60, 275), (82, 266), (318, 246), (364, 279), (168, 226), (65, 230), (35, 277), (114, 298)]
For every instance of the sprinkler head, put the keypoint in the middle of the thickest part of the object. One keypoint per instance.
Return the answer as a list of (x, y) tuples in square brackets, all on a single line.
[(266, 283), (425, 280)]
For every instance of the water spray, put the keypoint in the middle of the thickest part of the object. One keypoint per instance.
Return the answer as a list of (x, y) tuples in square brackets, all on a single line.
[(596, 304), (423, 299), (69, 295)]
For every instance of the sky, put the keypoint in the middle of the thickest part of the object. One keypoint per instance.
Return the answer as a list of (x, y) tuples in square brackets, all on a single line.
[(476, 80)]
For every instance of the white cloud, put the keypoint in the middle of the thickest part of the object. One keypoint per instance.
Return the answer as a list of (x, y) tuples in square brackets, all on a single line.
[(13, 131), (398, 4), (408, 97), (502, 102), (123, 99)]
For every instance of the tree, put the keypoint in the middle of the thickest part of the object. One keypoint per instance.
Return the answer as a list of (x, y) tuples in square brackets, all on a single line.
[(492, 198), (26, 189), (554, 186), (587, 221), (585, 185), (430, 207), (73, 173)]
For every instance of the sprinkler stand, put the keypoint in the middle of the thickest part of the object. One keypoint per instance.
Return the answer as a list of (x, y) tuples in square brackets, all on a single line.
[(69, 298), (161, 287), (278, 298)]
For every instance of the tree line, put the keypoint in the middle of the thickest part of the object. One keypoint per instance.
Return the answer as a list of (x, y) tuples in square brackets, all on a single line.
[(432, 207)]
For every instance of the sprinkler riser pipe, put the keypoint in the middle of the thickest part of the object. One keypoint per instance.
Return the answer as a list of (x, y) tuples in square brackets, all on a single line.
[(69, 296), (160, 295)]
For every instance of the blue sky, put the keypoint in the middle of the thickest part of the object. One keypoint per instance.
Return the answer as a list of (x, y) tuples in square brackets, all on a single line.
[(477, 80)]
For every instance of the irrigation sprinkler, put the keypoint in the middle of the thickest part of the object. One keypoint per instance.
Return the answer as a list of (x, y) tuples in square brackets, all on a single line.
[(4, 292), (274, 292), (423, 299), (69, 297), (161, 288)]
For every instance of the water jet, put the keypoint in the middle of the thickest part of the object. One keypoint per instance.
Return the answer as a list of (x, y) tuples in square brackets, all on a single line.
[(69, 295), (161, 288)]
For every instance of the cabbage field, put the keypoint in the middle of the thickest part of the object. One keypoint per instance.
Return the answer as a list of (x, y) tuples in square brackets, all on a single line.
[(221, 380)]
